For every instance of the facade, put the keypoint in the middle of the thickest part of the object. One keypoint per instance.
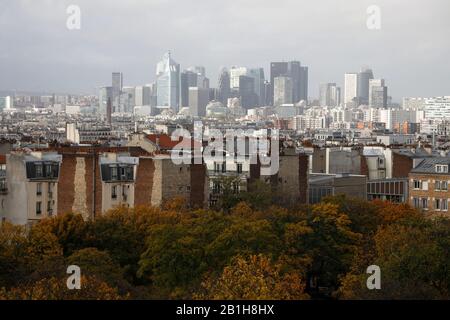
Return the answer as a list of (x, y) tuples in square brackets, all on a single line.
[(29, 190), (104, 94), (283, 88), (351, 88), (168, 83), (377, 93), (188, 79), (298, 74), (323, 185), (223, 86), (364, 77), (428, 186), (116, 89), (198, 100), (393, 190), (437, 108), (329, 95)]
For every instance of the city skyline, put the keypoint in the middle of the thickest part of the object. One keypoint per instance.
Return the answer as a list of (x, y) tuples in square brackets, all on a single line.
[(41, 50)]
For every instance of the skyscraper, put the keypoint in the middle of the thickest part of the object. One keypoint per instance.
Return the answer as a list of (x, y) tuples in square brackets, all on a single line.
[(283, 87), (168, 83), (223, 87), (364, 77), (329, 95), (188, 79), (198, 100), (117, 85), (377, 93), (104, 94), (247, 92), (298, 75), (303, 91), (350, 88)]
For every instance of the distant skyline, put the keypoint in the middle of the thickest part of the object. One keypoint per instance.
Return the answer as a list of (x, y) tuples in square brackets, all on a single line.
[(38, 53)]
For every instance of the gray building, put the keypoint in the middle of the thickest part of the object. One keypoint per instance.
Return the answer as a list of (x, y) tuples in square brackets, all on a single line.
[(198, 99)]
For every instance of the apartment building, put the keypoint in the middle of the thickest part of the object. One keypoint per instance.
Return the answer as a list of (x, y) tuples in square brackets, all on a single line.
[(29, 186), (428, 186)]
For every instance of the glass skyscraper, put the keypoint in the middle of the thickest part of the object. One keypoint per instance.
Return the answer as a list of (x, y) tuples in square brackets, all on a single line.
[(168, 83)]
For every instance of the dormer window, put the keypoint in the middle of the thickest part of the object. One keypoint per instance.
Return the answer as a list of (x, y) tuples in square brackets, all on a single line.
[(441, 168)]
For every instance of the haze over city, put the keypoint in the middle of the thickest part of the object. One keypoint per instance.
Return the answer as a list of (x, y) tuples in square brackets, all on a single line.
[(331, 37)]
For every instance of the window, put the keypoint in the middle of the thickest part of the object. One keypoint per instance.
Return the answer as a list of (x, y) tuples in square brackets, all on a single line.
[(38, 208), (441, 168), (224, 167), (424, 185), (239, 168), (48, 170), (38, 189), (444, 185), (444, 205), (114, 173), (114, 192), (424, 203), (39, 171), (437, 204), (417, 184), (416, 202), (437, 185)]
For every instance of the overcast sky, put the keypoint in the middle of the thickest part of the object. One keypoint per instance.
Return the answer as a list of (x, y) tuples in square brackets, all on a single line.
[(38, 53)]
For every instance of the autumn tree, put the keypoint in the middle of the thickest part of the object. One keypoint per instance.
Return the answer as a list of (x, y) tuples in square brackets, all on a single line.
[(55, 288), (253, 278), (413, 256)]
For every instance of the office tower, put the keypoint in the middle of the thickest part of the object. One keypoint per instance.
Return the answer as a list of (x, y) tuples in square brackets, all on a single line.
[(258, 76), (202, 81), (187, 79), (235, 73), (298, 75), (249, 99), (223, 87), (198, 100), (329, 95), (117, 85), (108, 110), (127, 100), (267, 93), (364, 77), (350, 89), (377, 93), (104, 94), (335, 96), (283, 87), (168, 83), (147, 95), (303, 93), (139, 96)]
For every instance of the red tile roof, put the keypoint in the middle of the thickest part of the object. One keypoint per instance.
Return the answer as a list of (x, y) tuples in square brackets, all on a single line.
[(165, 142)]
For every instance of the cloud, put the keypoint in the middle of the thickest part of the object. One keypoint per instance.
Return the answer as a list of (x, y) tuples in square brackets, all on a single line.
[(39, 53)]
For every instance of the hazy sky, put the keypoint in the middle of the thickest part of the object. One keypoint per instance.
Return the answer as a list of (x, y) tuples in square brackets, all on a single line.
[(38, 52)]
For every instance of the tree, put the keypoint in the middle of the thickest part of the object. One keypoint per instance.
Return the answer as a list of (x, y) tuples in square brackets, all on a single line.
[(56, 289), (253, 278), (414, 258), (326, 239), (99, 264)]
